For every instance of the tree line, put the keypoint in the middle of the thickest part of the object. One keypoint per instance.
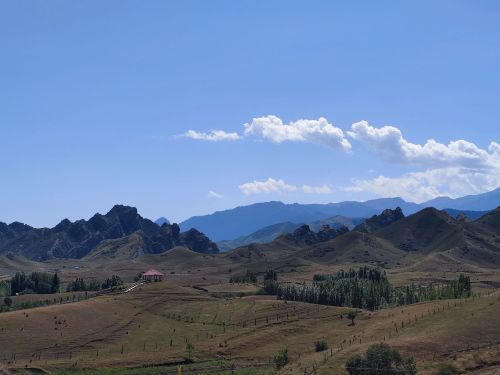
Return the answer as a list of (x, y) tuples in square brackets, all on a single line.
[(248, 277), (80, 285), (48, 283), (366, 288), (34, 283)]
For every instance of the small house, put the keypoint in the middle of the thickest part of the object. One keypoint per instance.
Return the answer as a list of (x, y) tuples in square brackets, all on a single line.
[(152, 275)]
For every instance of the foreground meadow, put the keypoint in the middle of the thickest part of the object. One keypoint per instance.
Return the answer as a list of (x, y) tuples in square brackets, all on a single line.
[(161, 326)]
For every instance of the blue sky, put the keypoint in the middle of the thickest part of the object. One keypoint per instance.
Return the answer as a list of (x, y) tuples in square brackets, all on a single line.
[(97, 97)]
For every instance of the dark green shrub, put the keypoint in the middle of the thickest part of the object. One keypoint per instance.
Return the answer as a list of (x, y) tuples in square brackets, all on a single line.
[(321, 345), (381, 359), (7, 301), (281, 359)]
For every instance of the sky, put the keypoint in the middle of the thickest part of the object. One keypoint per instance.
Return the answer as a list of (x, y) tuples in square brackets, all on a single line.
[(182, 108)]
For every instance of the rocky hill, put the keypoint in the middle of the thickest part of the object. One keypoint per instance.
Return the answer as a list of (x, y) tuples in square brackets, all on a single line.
[(78, 239), (427, 240), (305, 236), (269, 233), (376, 222)]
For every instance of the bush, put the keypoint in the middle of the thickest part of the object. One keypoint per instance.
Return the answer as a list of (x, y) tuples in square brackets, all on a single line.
[(7, 301), (382, 360), (320, 345), (281, 359)]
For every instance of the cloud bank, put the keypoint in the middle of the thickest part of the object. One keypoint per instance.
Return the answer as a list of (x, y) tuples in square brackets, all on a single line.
[(264, 187), (454, 169), (272, 128), (318, 131), (388, 141), (212, 136), (272, 185)]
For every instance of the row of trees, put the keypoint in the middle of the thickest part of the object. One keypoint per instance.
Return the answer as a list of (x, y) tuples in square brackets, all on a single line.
[(36, 282), (366, 288), (248, 277), (48, 283), (80, 284)]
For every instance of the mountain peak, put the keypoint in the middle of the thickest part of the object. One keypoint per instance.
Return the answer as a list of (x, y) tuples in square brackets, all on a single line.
[(303, 235), (387, 217), (162, 220), (119, 210)]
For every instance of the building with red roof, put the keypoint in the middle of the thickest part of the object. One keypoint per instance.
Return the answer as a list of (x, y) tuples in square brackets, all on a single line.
[(152, 275)]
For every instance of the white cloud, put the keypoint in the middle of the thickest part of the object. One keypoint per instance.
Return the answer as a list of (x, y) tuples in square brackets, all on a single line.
[(494, 148), (212, 136), (322, 189), (318, 131), (389, 142), (213, 194), (422, 186), (265, 187), (456, 169)]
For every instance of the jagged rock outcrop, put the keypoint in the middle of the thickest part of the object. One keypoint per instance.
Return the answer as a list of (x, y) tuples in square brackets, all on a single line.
[(77, 239), (305, 236), (376, 222)]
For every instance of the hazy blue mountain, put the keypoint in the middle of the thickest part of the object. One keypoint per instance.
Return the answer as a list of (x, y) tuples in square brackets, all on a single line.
[(336, 221), (480, 202), (161, 220), (471, 215), (243, 220), (264, 235), (271, 232), (381, 204)]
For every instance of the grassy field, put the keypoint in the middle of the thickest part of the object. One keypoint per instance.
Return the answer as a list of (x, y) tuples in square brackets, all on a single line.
[(148, 330)]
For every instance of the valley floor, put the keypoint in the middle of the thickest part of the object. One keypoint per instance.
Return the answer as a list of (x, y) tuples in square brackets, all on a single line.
[(148, 331)]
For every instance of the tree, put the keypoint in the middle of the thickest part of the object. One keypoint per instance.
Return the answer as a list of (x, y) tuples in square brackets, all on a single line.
[(352, 315), (382, 360), (281, 359), (112, 282), (189, 350), (56, 282), (7, 301)]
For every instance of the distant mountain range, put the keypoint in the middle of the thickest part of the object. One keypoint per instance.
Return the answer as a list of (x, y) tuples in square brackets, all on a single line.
[(244, 220), (427, 240), (269, 233), (480, 202), (122, 232), (112, 230)]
